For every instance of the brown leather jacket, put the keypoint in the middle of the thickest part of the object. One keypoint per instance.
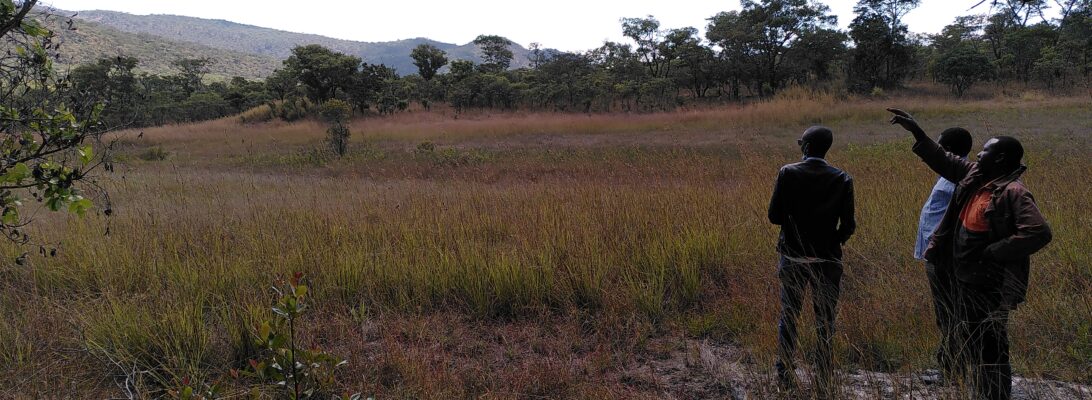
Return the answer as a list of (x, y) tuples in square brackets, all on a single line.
[(1017, 228)]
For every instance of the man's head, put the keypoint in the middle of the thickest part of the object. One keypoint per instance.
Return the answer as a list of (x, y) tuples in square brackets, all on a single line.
[(816, 141), (956, 140), (1000, 154)]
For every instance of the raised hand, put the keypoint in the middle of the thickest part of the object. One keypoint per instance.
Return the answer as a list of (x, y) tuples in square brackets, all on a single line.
[(905, 120)]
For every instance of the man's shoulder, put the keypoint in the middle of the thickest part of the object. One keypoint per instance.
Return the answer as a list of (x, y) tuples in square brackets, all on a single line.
[(790, 169), (835, 171), (814, 168), (1016, 189)]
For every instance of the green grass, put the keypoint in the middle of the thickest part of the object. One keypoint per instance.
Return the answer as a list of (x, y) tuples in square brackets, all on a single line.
[(581, 240)]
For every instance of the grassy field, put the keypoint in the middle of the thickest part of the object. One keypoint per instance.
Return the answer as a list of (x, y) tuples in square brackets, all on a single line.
[(516, 255)]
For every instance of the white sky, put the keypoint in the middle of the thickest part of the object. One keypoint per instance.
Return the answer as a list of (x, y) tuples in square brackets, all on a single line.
[(572, 25)]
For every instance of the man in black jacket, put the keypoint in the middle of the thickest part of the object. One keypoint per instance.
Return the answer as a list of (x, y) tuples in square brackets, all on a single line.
[(813, 203)]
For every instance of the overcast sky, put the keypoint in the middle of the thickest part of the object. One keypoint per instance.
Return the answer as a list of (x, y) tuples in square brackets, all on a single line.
[(572, 25)]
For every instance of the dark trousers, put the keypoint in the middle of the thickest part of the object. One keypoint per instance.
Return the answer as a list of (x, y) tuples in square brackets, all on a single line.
[(825, 281), (984, 335), (942, 284)]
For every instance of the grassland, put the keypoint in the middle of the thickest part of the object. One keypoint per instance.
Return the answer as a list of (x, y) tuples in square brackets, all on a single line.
[(517, 255)]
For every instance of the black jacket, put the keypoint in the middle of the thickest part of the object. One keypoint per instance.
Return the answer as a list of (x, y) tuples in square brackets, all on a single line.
[(813, 203)]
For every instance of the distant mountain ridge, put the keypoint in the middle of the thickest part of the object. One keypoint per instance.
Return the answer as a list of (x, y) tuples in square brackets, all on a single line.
[(91, 41), (278, 44)]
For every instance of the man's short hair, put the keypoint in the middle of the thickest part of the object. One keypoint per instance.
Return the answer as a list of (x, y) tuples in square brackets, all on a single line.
[(819, 138), (1011, 147), (956, 140)]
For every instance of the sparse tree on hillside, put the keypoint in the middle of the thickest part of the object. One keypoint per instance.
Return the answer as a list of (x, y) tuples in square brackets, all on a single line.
[(428, 59), (536, 54), (496, 56), (50, 138)]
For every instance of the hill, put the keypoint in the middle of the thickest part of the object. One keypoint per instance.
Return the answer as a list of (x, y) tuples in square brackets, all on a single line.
[(91, 41), (275, 43)]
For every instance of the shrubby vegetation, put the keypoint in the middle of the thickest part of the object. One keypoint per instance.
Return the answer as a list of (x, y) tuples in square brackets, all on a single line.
[(766, 46), (49, 141)]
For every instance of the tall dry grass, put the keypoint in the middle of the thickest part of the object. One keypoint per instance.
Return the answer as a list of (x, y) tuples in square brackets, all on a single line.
[(623, 227)]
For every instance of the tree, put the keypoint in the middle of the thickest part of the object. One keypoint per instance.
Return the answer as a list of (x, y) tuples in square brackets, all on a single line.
[(496, 56), (323, 72), (735, 38), (537, 55), (1075, 35), (696, 69), (243, 94), (759, 40), (646, 33), (564, 81), (192, 71), (282, 83), (883, 55), (963, 32), (337, 136), (962, 67), (51, 138), (428, 59), (778, 25), (815, 54), (1051, 67), (622, 74), (113, 82), (1015, 45), (369, 84)]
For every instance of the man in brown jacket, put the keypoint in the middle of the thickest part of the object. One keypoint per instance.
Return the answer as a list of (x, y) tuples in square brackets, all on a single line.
[(987, 235)]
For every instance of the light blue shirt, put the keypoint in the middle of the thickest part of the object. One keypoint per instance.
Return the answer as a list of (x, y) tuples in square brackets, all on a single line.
[(932, 212)]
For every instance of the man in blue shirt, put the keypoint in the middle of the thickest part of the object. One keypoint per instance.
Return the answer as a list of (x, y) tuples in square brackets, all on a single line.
[(941, 280)]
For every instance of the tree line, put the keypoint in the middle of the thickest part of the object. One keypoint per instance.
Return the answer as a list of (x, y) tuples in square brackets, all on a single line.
[(764, 47)]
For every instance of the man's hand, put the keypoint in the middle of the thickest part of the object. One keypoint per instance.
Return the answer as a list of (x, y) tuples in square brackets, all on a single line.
[(903, 119)]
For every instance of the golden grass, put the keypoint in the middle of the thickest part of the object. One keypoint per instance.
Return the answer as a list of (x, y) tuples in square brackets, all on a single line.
[(621, 227)]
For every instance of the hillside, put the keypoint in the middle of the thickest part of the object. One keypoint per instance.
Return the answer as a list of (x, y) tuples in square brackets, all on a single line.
[(91, 41), (275, 43)]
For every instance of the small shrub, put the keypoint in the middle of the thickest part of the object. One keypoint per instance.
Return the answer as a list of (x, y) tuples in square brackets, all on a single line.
[(425, 148), (337, 111), (304, 374), (155, 154), (449, 157), (197, 390), (337, 136)]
